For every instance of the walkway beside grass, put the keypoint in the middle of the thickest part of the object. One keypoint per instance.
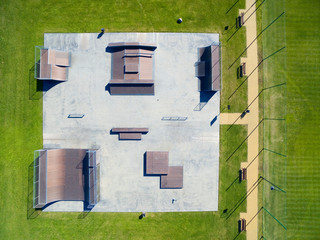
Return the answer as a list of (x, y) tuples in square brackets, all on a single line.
[(232, 118), (251, 119)]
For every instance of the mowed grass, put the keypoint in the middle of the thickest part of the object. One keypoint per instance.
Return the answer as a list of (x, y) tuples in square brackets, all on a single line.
[(22, 26), (271, 20), (293, 164), (303, 117)]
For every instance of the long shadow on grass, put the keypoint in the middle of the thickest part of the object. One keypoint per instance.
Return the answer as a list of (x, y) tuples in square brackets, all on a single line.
[(233, 182), (280, 154), (244, 197), (256, 39), (261, 62), (32, 213), (83, 215), (35, 86), (249, 222), (247, 17), (278, 85), (232, 6), (243, 141)]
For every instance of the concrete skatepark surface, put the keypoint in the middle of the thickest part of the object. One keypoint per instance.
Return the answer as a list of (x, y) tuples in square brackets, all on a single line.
[(193, 143)]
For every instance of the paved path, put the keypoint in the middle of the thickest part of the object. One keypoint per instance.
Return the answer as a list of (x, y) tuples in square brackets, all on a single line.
[(252, 119), (233, 118)]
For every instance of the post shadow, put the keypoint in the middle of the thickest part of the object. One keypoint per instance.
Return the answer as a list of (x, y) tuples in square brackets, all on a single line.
[(254, 71), (256, 38), (234, 33), (232, 7), (274, 218), (244, 197), (245, 110), (273, 184), (255, 158), (243, 141), (253, 11), (280, 154), (254, 216), (251, 6), (237, 235), (275, 119), (235, 180), (32, 213), (278, 85)]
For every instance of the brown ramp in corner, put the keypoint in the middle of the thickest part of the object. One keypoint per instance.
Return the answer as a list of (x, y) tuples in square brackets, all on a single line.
[(174, 179), (65, 174)]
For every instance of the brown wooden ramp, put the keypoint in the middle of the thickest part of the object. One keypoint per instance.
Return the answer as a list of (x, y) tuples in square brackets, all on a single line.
[(157, 163), (64, 175), (174, 179), (132, 68)]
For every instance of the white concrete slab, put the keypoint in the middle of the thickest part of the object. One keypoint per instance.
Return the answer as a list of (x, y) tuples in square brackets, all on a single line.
[(193, 143)]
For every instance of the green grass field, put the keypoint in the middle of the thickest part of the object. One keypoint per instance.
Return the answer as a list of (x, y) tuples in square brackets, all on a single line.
[(22, 26), (303, 117), (273, 111), (292, 164)]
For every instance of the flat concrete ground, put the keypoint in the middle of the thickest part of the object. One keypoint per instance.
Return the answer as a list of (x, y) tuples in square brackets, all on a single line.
[(193, 143)]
